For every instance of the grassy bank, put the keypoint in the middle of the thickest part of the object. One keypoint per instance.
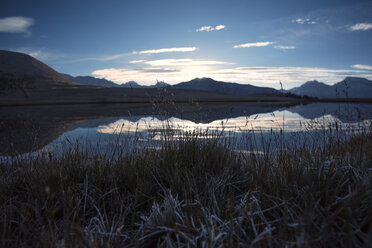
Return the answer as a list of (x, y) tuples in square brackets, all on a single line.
[(192, 193)]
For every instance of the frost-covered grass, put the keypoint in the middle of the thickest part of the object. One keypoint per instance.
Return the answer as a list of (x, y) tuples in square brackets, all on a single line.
[(192, 193)]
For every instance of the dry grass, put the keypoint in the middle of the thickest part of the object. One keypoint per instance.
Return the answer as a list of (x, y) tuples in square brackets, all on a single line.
[(192, 193)]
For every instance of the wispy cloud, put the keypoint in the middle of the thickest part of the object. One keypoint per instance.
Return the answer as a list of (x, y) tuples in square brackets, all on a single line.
[(178, 70), (184, 62), (106, 58), (158, 70), (16, 24), (167, 50), (136, 61), (211, 28), (205, 28), (113, 57), (361, 26), (285, 47), (290, 76), (303, 21), (362, 67), (153, 51), (255, 44), (169, 70), (40, 54)]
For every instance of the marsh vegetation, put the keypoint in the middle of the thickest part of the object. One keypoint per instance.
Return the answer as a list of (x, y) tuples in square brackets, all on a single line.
[(195, 190)]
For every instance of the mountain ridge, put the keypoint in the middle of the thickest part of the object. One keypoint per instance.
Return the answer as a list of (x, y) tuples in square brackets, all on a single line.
[(204, 84), (350, 87), (88, 80), (209, 84), (23, 72)]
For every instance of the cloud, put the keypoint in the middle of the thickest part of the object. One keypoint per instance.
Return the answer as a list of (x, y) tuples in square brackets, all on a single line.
[(285, 47), (303, 21), (362, 67), (299, 21), (169, 70), (210, 28), (184, 62), (16, 24), (205, 28), (256, 44), (167, 50), (158, 70), (153, 51), (145, 76), (178, 70), (106, 58), (290, 76), (39, 54), (112, 57), (136, 61), (361, 26), (220, 27)]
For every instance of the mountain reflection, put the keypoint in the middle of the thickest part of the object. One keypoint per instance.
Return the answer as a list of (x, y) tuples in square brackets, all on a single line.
[(24, 130)]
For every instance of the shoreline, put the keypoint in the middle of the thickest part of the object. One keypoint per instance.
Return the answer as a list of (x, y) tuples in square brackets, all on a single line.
[(183, 101)]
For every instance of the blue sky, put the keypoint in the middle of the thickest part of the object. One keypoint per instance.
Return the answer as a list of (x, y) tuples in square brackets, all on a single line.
[(256, 42)]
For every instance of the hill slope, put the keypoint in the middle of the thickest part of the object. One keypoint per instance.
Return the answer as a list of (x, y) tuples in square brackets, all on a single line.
[(15, 67), (88, 80), (208, 84)]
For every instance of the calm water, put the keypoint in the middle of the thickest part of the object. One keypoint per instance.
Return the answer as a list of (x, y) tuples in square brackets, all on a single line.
[(107, 129)]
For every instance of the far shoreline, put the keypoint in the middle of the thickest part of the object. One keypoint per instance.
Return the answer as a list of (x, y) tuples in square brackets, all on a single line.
[(184, 101)]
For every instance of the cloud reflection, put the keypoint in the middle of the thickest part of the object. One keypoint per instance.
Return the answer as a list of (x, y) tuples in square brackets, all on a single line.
[(276, 121)]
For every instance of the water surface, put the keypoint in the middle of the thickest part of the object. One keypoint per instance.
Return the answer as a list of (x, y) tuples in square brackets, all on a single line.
[(105, 128)]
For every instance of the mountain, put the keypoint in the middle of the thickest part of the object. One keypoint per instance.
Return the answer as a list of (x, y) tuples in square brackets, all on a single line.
[(354, 87), (131, 84), (26, 81), (160, 84), (350, 87), (208, 84), (346, 112), (19, 69), (87, 80), (313, 89)]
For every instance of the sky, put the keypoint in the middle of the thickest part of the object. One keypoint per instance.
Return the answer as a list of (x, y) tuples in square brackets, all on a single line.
[(253, 42)]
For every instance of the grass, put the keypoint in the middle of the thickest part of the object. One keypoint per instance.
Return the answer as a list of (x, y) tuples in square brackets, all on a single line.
[(193, 193)]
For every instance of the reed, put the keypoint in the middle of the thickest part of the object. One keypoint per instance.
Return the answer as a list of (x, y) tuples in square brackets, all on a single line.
[(194, 192)]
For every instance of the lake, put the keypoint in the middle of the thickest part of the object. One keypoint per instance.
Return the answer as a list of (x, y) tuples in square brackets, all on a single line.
[(116, 128)]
